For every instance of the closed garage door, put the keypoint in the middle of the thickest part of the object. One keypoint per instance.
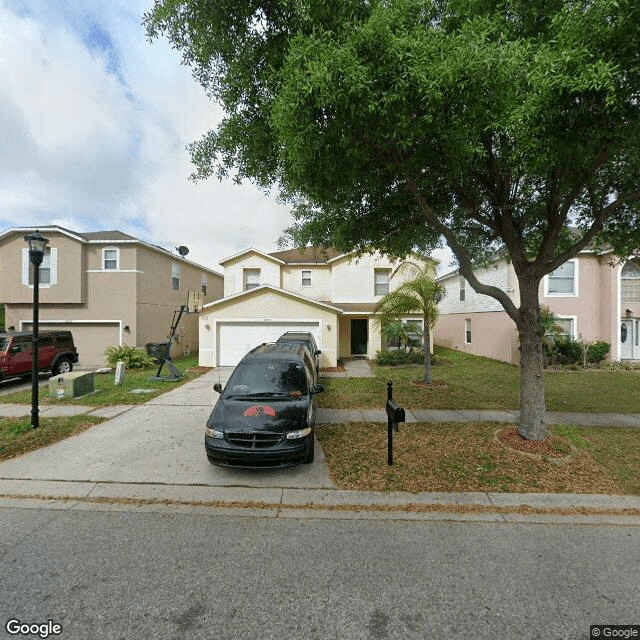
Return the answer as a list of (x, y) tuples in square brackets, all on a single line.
[(236, 338), (91, 339)]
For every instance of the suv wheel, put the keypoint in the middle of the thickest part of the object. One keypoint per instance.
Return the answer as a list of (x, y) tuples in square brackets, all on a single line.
[(64, 365)]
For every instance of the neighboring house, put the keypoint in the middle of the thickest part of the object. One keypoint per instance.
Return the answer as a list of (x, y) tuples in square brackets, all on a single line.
[(590, 296), (329, 294), (106, 287)]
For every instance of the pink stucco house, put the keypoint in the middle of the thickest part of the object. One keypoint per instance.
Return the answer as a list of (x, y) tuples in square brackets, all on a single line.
[(594, 296)]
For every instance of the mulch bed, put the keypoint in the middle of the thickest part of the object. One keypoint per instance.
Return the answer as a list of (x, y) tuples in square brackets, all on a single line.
[(423, 385), (553, 447), (203, 369)]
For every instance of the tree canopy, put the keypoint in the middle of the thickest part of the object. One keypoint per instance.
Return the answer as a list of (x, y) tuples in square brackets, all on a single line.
[(510, 128)]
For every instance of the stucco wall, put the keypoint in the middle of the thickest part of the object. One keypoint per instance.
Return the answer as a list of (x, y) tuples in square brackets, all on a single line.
[(320, 288), (493, 334), (233, 272)]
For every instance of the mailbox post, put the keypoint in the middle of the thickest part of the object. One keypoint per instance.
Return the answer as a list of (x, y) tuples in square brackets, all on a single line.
[(395, 415)]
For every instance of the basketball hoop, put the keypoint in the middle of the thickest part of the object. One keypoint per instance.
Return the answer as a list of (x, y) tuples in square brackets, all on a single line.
[(195, 302)]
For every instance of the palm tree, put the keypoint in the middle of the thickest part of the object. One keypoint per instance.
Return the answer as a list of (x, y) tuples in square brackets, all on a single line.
[(419, 294)]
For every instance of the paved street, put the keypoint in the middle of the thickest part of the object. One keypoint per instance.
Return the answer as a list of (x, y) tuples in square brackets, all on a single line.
[(192, 573)]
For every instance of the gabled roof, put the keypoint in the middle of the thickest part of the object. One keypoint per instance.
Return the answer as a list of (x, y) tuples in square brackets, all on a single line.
[(248, 251), (270, 287)]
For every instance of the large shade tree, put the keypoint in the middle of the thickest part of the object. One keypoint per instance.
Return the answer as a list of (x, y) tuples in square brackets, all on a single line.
[(508, 128)]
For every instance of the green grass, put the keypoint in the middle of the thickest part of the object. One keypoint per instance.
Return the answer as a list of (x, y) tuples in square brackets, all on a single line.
[(17, 436), (468, 457), (475, 382), (108, 393)]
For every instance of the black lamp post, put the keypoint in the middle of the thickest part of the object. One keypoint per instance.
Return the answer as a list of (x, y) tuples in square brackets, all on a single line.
[(37, 243)]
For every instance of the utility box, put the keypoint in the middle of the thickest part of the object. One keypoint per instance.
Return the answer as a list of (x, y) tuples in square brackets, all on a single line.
[(71, 385)]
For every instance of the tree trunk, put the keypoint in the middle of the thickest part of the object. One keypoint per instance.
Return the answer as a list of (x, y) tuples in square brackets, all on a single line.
[(532, 425), (426, 346)]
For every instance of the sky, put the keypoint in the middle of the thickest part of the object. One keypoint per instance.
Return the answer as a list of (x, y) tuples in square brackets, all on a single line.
[(94, 121)]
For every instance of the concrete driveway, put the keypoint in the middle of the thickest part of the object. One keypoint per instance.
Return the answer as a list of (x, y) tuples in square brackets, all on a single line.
[(159, 442)]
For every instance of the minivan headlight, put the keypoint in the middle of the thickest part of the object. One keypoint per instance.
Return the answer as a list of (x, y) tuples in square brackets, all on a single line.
[(301, 433), (214, 433)]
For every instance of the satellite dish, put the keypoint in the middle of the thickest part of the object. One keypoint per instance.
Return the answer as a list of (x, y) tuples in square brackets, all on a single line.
[(182, 250)]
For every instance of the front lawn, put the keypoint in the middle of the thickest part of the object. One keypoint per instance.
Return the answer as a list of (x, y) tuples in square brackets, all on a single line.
[(472, 382), (470, 457), (108, 393), (17, 436)]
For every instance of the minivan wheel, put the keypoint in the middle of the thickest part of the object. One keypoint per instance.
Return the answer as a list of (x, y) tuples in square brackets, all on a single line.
[(311, 454), (64, 365)]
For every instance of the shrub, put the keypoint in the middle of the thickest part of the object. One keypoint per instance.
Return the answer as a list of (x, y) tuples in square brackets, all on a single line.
[(597, 351), (388, 358), (569, 351), (133, 357)]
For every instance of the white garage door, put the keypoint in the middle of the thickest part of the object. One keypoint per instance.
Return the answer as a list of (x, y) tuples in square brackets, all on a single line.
[(91, 339), (236, 338)]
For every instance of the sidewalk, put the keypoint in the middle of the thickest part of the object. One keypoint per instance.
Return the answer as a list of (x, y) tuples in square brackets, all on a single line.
[(339, 416)]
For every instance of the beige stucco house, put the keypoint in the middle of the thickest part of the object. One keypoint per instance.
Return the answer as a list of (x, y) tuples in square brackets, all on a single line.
[(107, 287), (329, 294), (592, 297)]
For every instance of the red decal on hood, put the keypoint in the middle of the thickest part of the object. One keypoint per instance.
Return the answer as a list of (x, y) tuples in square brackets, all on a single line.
[(257, 410)]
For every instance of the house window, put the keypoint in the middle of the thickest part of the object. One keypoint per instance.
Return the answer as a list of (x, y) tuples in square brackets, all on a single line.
[(306, 278), (563, 281), (630, 282), (462, 290), (467, 331), (567, 326), (175, 277), (203, 283), (251, 278), (381, 281), (48, 272), (110, 258)]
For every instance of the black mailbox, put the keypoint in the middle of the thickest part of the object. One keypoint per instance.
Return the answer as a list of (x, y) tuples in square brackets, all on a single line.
[(395, 413)]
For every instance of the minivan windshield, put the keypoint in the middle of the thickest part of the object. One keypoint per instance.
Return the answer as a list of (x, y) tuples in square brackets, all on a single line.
[(267, 378)]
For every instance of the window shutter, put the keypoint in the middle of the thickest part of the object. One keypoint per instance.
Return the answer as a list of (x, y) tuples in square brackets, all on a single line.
[(25, 266), (54, 266)]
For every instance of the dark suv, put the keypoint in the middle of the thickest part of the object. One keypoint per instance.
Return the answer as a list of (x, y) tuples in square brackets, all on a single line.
[(56, 353), (266, 414), (307, 339)]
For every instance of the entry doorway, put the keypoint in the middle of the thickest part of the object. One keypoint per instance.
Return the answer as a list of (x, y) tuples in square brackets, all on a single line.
[(630, 339), (359, 337)]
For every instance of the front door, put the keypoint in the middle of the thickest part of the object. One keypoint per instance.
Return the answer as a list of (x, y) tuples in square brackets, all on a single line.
[(359, 337), (629, 339)]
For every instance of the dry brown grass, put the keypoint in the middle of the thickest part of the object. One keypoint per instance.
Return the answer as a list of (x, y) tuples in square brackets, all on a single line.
[(465, 457)]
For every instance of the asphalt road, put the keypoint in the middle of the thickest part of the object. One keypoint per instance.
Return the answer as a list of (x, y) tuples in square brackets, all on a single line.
[(127, 574)]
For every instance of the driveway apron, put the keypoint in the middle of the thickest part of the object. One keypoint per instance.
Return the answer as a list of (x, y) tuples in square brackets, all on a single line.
[(159, 442)]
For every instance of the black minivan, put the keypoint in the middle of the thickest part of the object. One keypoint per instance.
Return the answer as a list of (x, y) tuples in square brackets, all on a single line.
[(266, 414)]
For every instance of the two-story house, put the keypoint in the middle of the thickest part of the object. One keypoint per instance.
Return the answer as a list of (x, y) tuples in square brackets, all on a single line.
[(106, 287), (590, 296), (330, 294)]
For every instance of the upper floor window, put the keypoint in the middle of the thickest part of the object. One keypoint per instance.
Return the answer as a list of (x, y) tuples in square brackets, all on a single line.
[(251, 278), (110, 258), (203, 283), (463, 291), (381, 281), (630, 282), (48, 271), (564, 280), (306, 278), (175, 277)]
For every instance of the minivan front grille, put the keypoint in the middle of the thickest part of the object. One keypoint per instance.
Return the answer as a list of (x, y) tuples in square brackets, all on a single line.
[(254, 440)]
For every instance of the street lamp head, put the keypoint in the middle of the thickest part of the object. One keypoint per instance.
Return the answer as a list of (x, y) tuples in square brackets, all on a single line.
[(37, 242)]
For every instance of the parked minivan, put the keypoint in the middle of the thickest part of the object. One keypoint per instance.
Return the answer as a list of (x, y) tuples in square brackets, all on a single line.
[(265, 416), (56, 353)]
